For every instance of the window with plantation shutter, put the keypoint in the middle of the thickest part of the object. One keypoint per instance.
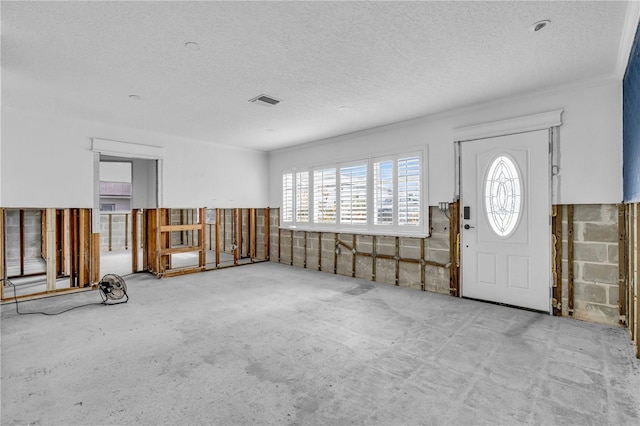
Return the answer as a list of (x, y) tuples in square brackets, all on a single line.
[(383, 196), (409, 198), (287, 197), (302, 197), (353, 195), (324, 196), (383, 192)]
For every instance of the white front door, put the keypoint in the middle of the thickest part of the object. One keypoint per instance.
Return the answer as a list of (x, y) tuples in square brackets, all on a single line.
[(505, 220)]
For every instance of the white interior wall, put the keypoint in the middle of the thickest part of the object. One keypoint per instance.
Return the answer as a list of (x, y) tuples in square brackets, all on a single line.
[(144, 184), (116, 171), (590, 142), (47, 162)]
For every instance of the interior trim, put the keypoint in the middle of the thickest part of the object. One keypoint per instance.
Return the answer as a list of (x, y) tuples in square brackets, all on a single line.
[(527, 123), (127, 149)]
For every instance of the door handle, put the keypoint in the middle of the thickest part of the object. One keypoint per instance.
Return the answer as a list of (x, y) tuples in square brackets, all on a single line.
[(467, 226)]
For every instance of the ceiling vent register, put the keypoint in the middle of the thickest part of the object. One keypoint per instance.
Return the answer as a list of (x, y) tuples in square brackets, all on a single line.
[(265, 100)]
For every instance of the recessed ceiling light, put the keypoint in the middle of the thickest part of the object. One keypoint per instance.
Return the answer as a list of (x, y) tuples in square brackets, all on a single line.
[(539, 25), (192, 45), (344, 108), (134, 97)]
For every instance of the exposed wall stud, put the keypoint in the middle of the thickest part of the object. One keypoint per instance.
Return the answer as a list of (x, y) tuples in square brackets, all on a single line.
[(135, 247), (3, 269), (51, 249), (22, 253), (305, 250), (267, 233), (422, 263), (217, 239), (291, 247), (319, 251), (397, 259), (556, 260), (622, 264), (570, 258), (454, 248), (353, 256)]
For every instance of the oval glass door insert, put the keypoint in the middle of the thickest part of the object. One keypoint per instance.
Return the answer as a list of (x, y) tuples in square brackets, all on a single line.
[(503, 195)]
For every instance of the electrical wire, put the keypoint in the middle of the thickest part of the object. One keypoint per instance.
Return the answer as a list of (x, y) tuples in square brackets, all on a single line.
[(15, 298)]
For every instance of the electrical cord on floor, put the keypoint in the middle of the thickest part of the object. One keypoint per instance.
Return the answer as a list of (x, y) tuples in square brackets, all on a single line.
[(15, 298)]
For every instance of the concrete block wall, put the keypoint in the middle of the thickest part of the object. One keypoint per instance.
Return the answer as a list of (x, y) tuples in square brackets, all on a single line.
[(118, 228), (320, 254), (184, 217), (32, 234), (595, 266), (260, 234)]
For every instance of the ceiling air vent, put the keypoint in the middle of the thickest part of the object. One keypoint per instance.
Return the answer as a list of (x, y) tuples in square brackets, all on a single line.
[(265, 100)]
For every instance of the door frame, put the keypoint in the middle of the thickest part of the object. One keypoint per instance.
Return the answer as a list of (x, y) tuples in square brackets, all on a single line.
[(550, 121)]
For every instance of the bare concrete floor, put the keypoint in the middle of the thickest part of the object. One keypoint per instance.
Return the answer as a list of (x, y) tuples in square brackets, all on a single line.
[(272, 344)]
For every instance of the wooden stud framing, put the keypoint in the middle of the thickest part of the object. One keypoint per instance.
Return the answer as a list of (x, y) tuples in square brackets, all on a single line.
[(95, 258), (636, 295), (202, 238), (305, 250), (454, 248), (570, 258), (43, 234), (279, 244), (21, 231), (50, 229), (353, 256), (237, 238), (622, 264), (291, 248), (397, 259), (73, 247), (135, 246), (60, 264), (556, 260), (319, 251), (631, 276), (422, 262), (267, 233), (252, 238), (374, 247), (84, 273), (217, 237), (633, 270), (3, 269), (335, 253)]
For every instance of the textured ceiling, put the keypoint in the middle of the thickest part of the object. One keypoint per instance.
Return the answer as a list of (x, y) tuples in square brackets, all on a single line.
[(385, 61)]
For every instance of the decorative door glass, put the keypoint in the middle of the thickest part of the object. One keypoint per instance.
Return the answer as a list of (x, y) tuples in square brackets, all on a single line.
[(503, 195)]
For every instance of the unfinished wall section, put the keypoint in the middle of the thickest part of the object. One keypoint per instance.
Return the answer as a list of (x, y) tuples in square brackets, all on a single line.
[(114, 231), (418, 263), (595, 263), (31, 234)]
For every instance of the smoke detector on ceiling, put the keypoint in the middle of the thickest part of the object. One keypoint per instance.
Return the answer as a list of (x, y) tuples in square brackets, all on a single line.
[(537, 26), (265, 100)]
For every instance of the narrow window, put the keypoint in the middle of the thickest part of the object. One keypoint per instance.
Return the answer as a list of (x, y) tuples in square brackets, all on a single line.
[(287, 197), (324, 196), (302, 197), (353, 195), (383, 192), (409, 198)]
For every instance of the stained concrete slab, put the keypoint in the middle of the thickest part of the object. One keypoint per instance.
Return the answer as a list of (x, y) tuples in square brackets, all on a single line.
[(273, 344)]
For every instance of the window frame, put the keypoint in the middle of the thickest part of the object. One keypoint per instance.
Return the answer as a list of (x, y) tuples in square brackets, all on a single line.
[(369, 228)]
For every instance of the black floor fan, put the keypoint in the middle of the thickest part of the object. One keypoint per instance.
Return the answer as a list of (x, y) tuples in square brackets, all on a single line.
[(112, 288)]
